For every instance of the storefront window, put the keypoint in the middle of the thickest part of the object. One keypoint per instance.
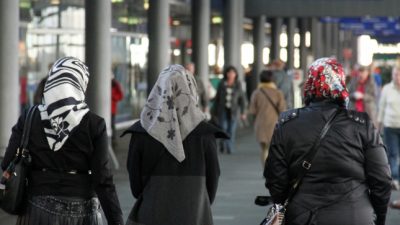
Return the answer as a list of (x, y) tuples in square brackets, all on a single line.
[(129, 58), (48, 32)]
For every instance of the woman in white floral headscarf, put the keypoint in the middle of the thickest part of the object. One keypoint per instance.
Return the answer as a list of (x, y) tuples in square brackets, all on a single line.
[(172, 162)]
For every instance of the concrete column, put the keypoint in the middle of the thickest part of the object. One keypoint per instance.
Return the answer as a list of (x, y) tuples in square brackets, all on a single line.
[(159, 40), (240, 40), (233, 33), (259, 40), (335, 40), (9, 78), (275, 38), (316, 38), (303, 48), (341, 44), (354, 49), (98, 58), (201, 36), (327, 39), (290, 48)]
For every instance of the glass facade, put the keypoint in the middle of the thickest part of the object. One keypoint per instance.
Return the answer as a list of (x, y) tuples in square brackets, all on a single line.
[(129, 66), (53, 29)]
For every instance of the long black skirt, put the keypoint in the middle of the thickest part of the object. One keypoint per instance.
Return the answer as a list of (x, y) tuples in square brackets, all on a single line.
[(55, 210)]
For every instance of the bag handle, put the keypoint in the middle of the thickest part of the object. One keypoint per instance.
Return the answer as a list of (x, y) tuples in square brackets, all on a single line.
[(309, 157), (27, 129), (270, 101), (22, 151)]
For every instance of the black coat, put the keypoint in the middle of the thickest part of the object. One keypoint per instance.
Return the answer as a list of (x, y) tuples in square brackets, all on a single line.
[(86, 149), (169, 192), (350, 177)]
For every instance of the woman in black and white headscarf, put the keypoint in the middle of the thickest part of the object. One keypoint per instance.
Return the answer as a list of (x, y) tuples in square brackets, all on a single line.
[(68, 146), (172, 162)]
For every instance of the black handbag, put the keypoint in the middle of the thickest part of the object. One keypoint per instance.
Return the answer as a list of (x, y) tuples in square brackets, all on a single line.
[(13, 197), (276, 213)]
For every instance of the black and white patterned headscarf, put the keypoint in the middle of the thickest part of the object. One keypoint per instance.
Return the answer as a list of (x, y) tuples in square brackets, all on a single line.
[(172, 109), (64, 103)]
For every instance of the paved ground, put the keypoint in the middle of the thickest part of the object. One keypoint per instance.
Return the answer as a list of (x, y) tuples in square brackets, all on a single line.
[(241, 181)]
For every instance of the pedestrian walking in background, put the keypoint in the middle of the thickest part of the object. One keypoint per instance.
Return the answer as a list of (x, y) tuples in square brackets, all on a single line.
[(283, 81), (201, 87), (172, 161), (116, 96), (38, 96), (298, 84), (70, 169), (230, 101), (389, 120), (348, 180), (23, 96), (362, 91), (266, 103)]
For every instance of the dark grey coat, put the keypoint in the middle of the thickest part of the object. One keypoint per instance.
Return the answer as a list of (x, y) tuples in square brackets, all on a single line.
[(169, 192), (238, 100), (349, 179)]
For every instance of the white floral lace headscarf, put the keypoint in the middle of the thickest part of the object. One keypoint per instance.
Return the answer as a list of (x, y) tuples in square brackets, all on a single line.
[(172, 109)]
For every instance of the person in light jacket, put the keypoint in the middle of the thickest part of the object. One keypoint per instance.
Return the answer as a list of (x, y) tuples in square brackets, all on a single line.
[(267, 102), (172, 161), (349, 180), (389, 120)]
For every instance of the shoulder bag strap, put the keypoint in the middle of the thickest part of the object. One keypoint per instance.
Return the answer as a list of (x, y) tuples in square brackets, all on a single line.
[(270, 100), (309, 157), (27, 129)]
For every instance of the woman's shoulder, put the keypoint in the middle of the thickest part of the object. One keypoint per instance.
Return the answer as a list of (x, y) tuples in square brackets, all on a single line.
[(93, 118), (204, 128), (275, 91), (207, 128), (135, 128), (357, 117), (94, 123)]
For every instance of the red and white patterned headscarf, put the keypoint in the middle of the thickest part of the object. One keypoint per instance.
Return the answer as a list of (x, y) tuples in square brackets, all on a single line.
[(326, 80)]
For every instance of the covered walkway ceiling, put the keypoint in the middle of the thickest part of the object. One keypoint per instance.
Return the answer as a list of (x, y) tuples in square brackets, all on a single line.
[(310, 8)]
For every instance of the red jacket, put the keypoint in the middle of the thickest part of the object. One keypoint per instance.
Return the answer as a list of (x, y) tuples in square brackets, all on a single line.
[(116, 95)]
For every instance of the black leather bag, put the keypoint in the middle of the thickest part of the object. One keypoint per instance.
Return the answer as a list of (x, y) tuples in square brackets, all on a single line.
[(13, 196)]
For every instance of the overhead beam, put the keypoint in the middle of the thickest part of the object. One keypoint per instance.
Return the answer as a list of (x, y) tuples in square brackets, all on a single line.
[(311, 8)]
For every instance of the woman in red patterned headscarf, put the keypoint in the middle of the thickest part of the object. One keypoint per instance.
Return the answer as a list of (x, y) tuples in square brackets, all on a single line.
[(326, 80), (348, 180)]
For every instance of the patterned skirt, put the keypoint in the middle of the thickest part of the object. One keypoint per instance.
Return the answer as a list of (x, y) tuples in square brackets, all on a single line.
[(51, 210)]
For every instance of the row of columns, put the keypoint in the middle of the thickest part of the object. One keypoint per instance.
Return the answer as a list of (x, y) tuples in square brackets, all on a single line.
[(326, 40), (98, 48), (98, 58)]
